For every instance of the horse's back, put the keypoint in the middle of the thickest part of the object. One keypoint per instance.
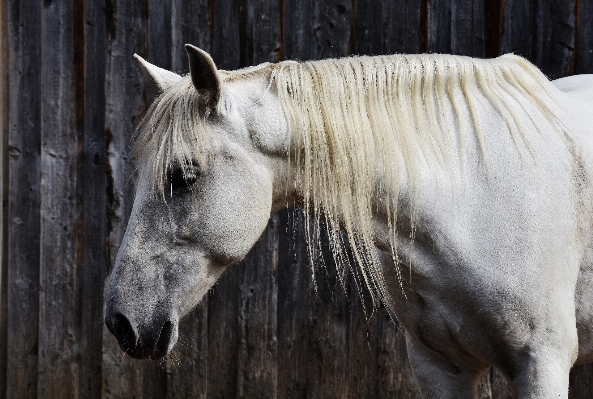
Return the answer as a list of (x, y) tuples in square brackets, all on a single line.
[(577, 86)]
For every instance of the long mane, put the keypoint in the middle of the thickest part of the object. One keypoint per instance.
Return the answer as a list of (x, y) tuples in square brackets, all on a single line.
[(354, 119)]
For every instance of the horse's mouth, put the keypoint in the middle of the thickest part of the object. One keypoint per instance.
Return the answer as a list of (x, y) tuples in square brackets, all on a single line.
[(164, 343)]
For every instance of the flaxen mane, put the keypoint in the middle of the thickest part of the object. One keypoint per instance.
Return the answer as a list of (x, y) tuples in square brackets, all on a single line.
[(354, 119)]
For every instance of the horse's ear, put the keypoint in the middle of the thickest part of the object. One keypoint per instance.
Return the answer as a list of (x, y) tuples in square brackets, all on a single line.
[(203, 75), (164, 79)]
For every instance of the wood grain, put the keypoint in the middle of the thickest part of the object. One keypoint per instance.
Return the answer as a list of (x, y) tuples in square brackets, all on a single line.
[(543, 32), (387, 27), (24, 199), (59, 348), (92, 187), (4, 84)]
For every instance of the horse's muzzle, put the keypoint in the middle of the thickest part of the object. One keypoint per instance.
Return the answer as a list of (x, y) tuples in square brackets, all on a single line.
[(147, 341)]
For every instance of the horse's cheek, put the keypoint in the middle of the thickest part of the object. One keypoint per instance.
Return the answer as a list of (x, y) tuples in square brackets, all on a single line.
[(235, 215)]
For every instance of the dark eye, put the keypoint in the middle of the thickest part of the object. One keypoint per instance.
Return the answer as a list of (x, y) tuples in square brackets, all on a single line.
[(183, 178)]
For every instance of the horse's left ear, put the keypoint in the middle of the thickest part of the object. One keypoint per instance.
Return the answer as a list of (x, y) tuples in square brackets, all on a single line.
[(203, 75)]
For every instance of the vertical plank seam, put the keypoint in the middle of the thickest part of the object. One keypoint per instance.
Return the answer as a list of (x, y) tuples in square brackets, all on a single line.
[(4, 194), (281, 52), (424, 10), (212, 20), (79, 78), (352, 37), (577, 4)]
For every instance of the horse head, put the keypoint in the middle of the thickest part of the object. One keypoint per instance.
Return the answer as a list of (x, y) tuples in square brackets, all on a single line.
[(206, 157)]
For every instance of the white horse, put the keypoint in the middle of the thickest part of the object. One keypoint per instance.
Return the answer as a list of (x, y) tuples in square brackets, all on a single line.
[(475, 175)]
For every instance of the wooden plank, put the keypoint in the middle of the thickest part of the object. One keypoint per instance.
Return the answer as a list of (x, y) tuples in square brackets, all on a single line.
[(4, 90), (159, 36), (581, 382), (399, 30), (439, 26), (362, 344), (187, 366), (24, 145), (223, 315), (584, 39), (298, 25), (316, 30), (93, 187), (518, 24), (294, 309), (191, 23), (555, 32), (260, 41), (500, 387), (59, 325), (226, 41), (160, 41), (187, 369), (125, 103), (395, 375), (459, 27), (312, 324), (258, 296), (543, 32)]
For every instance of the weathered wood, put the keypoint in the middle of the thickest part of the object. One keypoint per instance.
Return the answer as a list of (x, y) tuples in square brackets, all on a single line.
[(581, 382), (127, 34), (257, 325), (543, 32), (24, 145), (294, 281), (159, 38), (260, 40), (187, 367), (394, 375), (458, 27), (3, 195), (387, 27), (226, 41), (584, 39), (316, 30), (59, 286), (191, 23), (93, 186), (500, 387)]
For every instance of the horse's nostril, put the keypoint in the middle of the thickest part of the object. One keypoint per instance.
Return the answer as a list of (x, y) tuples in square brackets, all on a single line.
[(162, 345), (124, 332)]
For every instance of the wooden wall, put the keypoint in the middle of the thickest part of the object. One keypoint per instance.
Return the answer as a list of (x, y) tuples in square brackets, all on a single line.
[(71, 95)]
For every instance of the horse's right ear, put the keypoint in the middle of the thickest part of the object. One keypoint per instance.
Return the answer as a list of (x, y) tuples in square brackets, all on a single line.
[(204, 75), (164, 79)]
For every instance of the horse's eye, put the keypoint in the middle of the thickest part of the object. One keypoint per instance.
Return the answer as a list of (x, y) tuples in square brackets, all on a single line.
[(183, 179)]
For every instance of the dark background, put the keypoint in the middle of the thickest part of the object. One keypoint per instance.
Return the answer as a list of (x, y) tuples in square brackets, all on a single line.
[(71, 95)]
